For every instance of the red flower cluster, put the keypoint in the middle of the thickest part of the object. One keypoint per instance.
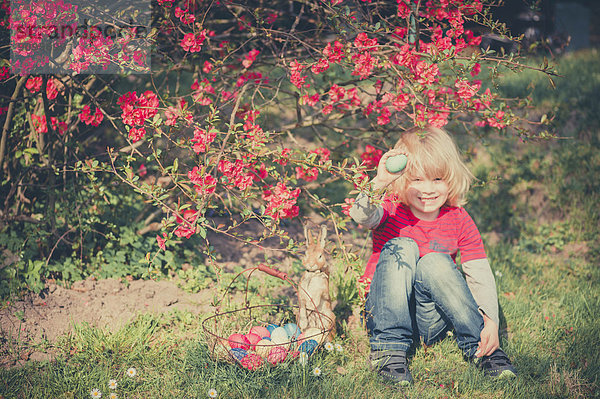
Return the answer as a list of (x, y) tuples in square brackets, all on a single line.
[(136, 109), (465, 89), (200, 91), (40, 125), (249, 58), (86, 116), (93, 48), (34, 84), (193, 43), (308, 174), (370, 158), (237, 173), (334, 53), (184, 16), (281, 201), (364, 62), (255, 77), (203, 184), (202, 139), (296, 77), (187, 223)]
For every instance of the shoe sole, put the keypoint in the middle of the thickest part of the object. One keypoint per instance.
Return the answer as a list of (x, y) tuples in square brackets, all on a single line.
[(506, 375)]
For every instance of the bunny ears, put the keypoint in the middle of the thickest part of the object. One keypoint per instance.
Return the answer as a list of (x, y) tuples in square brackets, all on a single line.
[(320, 238)]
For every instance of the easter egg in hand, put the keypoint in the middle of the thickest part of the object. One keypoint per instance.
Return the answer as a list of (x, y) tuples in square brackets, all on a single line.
[(238, 341), (396, 164)]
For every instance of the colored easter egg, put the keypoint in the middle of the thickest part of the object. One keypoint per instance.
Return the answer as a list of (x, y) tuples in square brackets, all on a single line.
[(308, 346), (271, 327), (292, 330), (238, 353), (238, 341), (251, 361), (263, 347), (279, 335), (315, 333), (260, 331), (277, 355), (253, 339), (396, 163), (281, 341)]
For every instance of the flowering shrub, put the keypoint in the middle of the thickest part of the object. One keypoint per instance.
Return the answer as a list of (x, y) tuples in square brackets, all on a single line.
[(249, 109)]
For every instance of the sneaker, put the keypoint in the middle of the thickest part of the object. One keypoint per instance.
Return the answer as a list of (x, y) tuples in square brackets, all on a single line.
[(497, 365), (391, 365)]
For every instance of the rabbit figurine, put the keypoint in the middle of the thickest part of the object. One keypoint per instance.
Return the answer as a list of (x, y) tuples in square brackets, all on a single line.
[(315, 310)]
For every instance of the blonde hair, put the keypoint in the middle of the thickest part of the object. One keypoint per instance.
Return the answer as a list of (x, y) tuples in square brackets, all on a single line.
[(433, 153)]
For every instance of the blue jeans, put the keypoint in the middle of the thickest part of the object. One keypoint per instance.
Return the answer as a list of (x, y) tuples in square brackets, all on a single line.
[(425, 295)]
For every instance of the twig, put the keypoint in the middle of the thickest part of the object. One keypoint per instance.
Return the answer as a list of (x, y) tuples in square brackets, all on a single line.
[(9, 115)]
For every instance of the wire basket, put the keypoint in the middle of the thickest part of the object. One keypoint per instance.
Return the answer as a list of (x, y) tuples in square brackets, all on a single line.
[(231, 335)]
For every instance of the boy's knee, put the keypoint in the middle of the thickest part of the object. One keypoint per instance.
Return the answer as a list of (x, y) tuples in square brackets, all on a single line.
[(435, 265)]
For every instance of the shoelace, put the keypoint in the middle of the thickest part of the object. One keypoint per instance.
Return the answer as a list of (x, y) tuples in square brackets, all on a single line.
[(498, 358)]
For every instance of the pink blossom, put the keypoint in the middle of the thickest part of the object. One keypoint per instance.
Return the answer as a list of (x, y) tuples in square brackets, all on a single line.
[(137, 133), (308, 174), (370, 158), (281, 201), (426, 73), (334, 53), (250, 58), (86, 116), (202, 139), (161, 241), (187, 222), (34, 84), (320, 66)]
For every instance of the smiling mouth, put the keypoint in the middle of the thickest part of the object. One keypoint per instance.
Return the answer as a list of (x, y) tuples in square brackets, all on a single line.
[(424, 199)]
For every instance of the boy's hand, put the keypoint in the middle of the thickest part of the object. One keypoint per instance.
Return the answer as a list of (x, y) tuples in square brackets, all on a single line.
[(384, 177), (489, 338)]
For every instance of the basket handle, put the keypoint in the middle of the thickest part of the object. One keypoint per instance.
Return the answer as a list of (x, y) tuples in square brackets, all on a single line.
[(275, 273)]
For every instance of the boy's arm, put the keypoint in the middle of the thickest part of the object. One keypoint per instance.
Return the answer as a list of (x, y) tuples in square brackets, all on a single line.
[(482, 285), (366, 213)]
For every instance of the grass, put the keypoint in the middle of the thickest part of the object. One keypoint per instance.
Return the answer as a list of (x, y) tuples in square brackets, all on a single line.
[(537, 210)]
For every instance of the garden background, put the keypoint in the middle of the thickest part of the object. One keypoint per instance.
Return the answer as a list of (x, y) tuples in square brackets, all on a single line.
[(127, 217)]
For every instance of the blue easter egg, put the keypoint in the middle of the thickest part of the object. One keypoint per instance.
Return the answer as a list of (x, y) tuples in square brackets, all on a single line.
[(292, 330), (396, 163), (271, 327), (238, 353), (308, 346)]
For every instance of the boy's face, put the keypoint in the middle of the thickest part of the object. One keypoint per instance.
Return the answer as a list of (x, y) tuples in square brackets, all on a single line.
[(425, 196)]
